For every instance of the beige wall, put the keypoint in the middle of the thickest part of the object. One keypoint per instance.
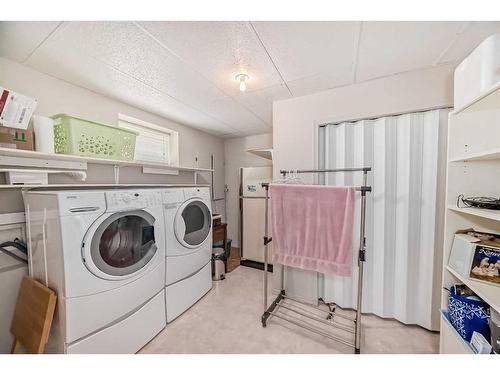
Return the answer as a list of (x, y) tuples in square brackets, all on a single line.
[(57, 96), (237, 157), (295, 121)]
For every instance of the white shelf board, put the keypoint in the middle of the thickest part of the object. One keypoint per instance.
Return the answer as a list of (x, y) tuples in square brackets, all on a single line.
[(100, 186), (30, 155), (488, 100), (488, 293), (481, 212), (479, 156), (266, 153), (465, 344), (10, 186)]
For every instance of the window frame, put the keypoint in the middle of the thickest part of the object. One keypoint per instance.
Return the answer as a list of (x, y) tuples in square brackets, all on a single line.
[(173, 136)]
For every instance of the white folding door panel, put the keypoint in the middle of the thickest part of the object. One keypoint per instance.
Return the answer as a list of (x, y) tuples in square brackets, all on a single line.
[(430, 215), (346, 136), (403, 169), (401, 212)]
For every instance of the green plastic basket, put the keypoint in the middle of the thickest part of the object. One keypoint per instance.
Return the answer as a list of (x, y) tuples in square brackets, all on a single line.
[(76, 136)]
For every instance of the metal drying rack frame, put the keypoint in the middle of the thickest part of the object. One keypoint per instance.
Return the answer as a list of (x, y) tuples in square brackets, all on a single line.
[(272, 309)]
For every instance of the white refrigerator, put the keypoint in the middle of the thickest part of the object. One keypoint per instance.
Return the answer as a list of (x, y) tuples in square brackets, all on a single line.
[(252, 211)]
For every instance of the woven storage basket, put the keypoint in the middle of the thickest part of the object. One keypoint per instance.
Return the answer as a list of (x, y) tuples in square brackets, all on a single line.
[(76, 136)]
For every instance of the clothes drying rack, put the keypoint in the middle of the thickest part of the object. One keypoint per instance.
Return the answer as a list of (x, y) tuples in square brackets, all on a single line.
[(331, 320)]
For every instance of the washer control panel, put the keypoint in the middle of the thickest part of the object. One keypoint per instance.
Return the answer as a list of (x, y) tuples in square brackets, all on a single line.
[(118, 200)]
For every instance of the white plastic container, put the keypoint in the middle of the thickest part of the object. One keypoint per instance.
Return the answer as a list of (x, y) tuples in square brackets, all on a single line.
[(462, 252), (44, 134), (478, 72)]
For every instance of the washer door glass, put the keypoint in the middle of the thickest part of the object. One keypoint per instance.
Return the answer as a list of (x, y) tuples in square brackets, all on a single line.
[(193, 223), (124, 243)]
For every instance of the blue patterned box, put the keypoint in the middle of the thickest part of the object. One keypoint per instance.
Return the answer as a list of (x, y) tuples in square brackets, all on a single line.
[(468, 315)]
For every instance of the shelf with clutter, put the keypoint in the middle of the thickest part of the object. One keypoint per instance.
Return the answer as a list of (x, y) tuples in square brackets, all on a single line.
[(471, 294), (471, 249), (30, 151)]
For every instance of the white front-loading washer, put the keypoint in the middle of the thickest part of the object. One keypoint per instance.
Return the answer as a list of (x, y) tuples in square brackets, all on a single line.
[(188, 220), (103, 252)]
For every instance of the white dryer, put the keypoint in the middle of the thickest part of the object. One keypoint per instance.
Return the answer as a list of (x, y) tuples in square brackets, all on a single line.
[(103, 252), (188, 220)]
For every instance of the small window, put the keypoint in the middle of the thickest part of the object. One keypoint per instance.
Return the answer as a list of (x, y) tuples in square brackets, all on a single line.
[(154, 142)]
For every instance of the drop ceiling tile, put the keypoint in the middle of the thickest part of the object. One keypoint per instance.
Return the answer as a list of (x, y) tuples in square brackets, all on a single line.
[(230, 112), (20, 38), (316, 83), (393, 47), (473, 35), (302, 49), (127, 48), (219, 50), (260, 102), (85, 71)]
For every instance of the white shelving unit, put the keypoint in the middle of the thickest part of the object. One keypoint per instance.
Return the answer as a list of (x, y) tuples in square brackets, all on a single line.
[(266, 153), (34, 159), (473, 170)]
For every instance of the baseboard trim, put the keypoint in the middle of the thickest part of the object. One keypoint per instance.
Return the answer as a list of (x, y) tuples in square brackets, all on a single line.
[(256, 265)]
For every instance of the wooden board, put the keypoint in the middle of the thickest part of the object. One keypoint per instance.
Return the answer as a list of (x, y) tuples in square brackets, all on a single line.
[(33, 316)]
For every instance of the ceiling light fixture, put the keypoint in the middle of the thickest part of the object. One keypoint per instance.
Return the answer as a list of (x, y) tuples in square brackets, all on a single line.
[(242, 79)]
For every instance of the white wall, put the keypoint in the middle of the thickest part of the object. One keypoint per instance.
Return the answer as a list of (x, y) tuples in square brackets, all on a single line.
[(296, 120), (237, 157), (57, 96)]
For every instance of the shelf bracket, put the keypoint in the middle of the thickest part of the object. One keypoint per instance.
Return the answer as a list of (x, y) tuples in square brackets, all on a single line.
[(116, 169)]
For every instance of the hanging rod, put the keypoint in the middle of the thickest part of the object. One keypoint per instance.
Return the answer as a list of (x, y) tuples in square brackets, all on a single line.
[(365, 170), (361, 169), (362, 189)]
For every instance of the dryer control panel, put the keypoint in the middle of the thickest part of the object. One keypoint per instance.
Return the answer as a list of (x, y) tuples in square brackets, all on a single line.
[(202, 192), (119, 200)]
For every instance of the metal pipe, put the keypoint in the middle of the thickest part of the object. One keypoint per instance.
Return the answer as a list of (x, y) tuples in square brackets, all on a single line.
[(282, 278), (358, 188), (284, 172), (266, 236), (322, 321), (312, 329), (240, 224), (361, 260), (344, 316), (212, 173)]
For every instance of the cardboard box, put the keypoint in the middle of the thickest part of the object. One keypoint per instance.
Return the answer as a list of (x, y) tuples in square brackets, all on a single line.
[(15, 109), (476, 256), (21, 139), (486, 265)]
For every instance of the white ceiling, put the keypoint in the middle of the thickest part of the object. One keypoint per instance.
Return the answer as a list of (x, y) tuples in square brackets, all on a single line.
[(185, 71)]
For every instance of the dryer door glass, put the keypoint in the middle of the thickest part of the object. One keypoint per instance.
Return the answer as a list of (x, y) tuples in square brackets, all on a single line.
[(197, 220), (124, 243)]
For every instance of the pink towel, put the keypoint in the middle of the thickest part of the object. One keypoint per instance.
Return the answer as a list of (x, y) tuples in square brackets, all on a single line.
[(312, 227)]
